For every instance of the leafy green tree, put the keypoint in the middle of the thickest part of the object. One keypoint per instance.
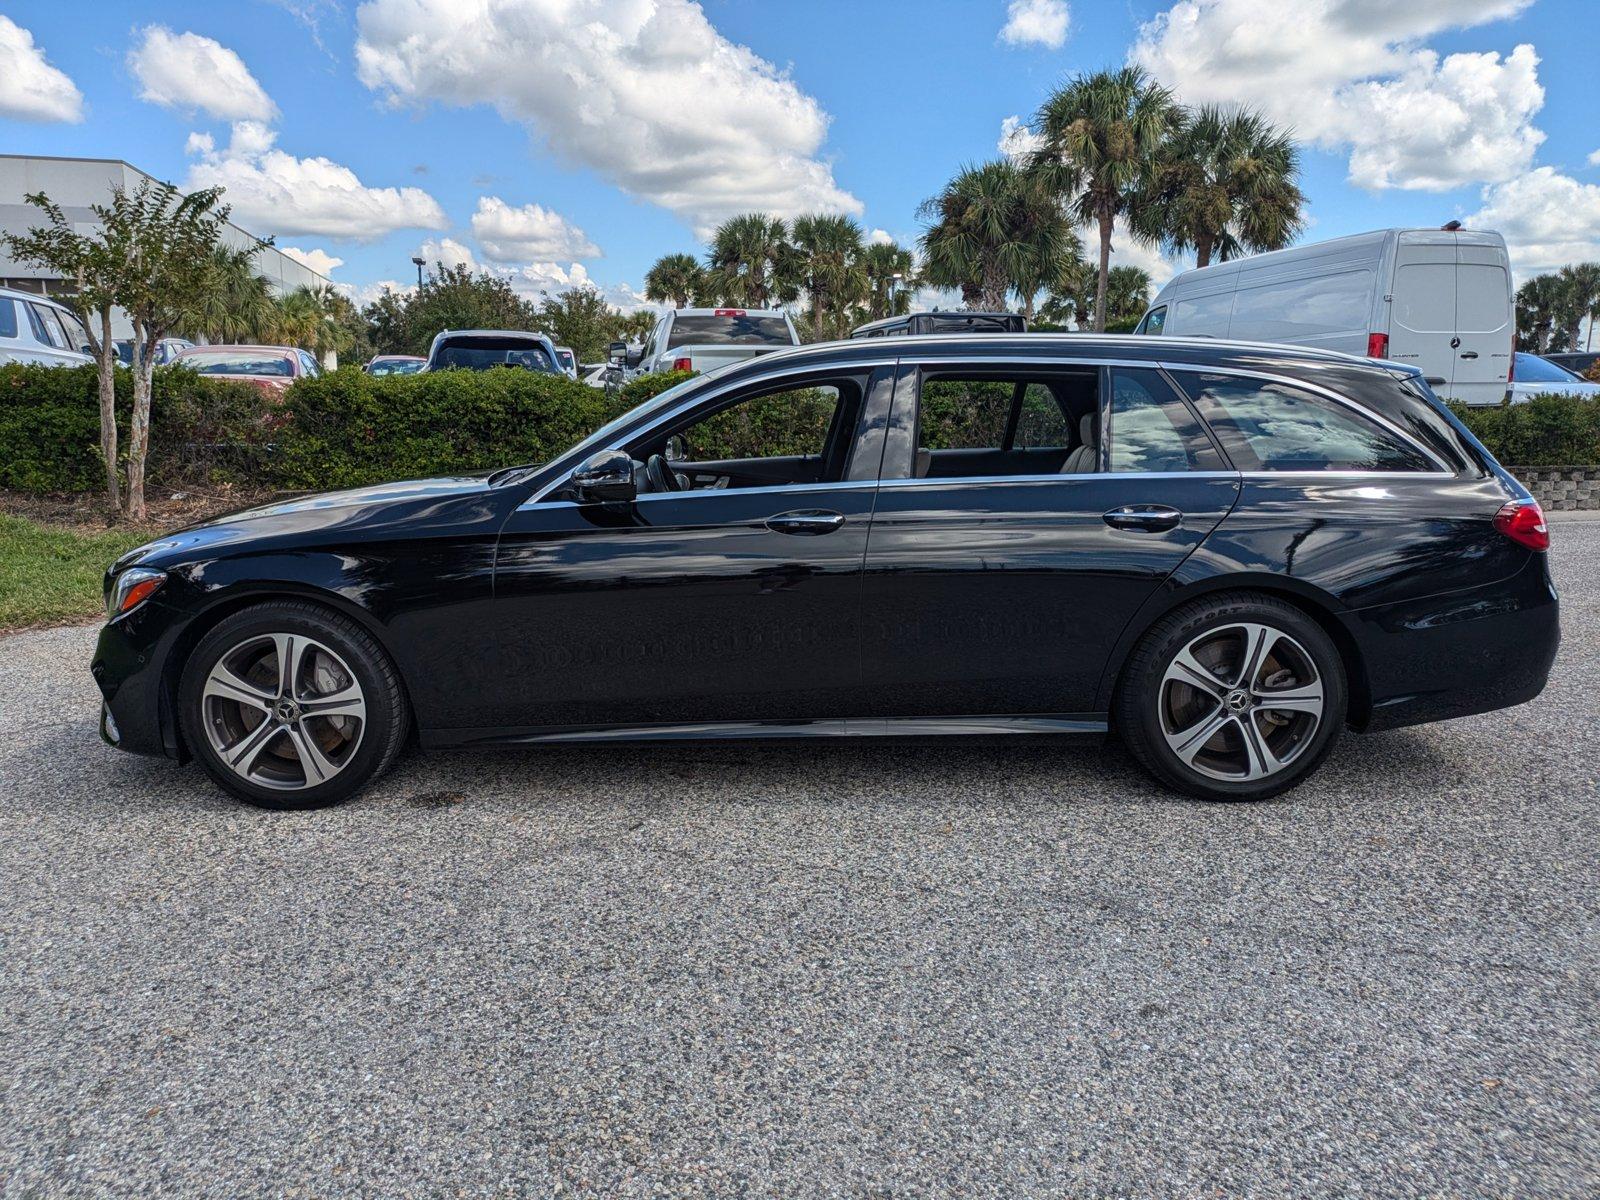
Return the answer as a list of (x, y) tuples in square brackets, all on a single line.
[(582, 320), (674, 279), (458, 298), (385, 319), (828, 253), (1100, 133), (1223, 183), (751, 263), (891, 276), (995, 229)]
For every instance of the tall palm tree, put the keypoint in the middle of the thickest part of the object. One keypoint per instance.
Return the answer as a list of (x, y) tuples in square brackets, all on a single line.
[(1538, 304), (995, 229), (674, 279), (751, 261), (1127, 294), (236, 306), (1581, 283), (891, 274), (829, 258), (1099, 136), (1223, 183)]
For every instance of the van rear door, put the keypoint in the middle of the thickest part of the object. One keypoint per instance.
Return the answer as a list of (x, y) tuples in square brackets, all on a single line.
[(1422, 306), (1484, 319)]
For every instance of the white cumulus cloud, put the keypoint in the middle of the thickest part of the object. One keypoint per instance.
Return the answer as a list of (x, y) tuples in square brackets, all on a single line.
[(1017, 141), (30, 88), (363, 294), (1594, 158), (510, 234), (274, 192), (646, 93), (318, 259), (1037, 22), (1354, 75), (1548, 219), (189, 72)]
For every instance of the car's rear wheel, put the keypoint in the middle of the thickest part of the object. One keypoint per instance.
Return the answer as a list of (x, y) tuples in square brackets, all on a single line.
[(1232, 697), (288, 705)]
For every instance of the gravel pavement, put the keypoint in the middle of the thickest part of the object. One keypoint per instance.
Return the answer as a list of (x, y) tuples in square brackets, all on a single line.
[(1003, 969)]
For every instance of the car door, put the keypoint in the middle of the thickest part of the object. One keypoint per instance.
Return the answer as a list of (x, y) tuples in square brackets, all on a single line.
[(1485, 322), (993, 594), (1422, 307), (719, 604)]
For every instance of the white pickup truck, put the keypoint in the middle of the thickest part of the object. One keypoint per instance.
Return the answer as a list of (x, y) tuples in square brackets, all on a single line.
[(703, 339)]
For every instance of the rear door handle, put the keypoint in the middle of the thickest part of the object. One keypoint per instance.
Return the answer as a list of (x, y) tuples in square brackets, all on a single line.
[(1469, 354), (1152, 518), (807, 522)]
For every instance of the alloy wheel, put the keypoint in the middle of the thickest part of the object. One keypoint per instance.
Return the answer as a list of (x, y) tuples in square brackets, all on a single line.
[(1241, 702), (283, 711)]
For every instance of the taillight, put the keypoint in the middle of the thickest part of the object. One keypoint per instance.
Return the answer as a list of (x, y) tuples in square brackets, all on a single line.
[(1377, 345), (1523, 522), (682, 364), (1511, 373)]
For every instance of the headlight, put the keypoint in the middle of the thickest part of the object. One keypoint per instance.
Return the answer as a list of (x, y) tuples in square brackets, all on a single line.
[(131, 589)]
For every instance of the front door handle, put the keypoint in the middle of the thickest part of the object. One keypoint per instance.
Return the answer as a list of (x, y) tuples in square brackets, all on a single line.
[(808, 522), (1151, 518), (1469, 354)]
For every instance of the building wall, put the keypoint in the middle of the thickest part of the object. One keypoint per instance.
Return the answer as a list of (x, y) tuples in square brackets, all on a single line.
[(77, 183)]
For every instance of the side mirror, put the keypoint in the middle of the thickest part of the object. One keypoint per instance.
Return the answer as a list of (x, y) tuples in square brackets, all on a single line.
[(617, 353), (606, 476)]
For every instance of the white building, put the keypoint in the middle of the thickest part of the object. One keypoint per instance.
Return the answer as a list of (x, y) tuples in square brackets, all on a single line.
[(77, 183)]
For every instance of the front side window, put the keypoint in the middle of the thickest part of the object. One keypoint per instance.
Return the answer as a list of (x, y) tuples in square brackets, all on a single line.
[(8, 317), (77, 335), (1153, 321), (1152, 429), (1265, 425), (793, 422)]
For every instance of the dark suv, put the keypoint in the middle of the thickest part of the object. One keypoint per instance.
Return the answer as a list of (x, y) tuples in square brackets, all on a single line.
[(1226, 553)]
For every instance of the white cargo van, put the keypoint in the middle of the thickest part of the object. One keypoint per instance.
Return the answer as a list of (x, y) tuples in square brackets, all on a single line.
[(1437, 299)]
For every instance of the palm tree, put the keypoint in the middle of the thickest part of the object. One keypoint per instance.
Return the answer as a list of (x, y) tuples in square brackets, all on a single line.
[(237, 304), (891, 274), (1581, 285), (1127, 294), (1100, 134), (995, 229), (1538, 303), (751, 261), (829, 258), (674, 279), (1223, 183)]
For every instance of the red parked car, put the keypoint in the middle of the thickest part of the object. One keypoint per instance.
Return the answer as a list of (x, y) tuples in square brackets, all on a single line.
[(270, 368)]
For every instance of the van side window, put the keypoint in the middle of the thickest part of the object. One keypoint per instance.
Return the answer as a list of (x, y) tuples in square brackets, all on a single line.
[(1152, 428), (8, 317), (1269, 426), (45, 330), (1153, 322)]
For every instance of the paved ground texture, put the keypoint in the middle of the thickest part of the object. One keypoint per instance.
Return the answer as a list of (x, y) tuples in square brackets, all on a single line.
[(1004, 970)]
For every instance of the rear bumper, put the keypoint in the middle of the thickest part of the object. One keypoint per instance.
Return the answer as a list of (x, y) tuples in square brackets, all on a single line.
[(1461, 653)]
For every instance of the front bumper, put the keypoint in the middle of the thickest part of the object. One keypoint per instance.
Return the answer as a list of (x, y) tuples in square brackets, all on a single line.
[(129, 667)]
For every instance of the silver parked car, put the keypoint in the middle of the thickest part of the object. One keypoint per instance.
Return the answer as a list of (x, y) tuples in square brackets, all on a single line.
[(1536, 376), (36, 329)]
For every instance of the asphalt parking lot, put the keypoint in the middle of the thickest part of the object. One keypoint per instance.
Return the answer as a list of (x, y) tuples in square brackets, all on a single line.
[(1001, 969)]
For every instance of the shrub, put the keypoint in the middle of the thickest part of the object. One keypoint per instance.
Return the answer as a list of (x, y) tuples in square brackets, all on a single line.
[(1547, 431), (202, 430)]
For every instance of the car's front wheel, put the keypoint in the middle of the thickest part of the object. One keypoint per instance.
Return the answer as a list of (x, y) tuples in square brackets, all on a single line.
[(288, 705), (1233, 697)]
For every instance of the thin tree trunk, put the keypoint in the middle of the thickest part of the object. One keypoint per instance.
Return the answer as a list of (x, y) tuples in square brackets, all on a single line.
[(106, 354), (1202, 251), (139, 426), (1105, 273)]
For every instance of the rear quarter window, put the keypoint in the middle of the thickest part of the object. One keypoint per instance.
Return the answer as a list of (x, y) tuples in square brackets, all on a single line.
[(1265, 425)]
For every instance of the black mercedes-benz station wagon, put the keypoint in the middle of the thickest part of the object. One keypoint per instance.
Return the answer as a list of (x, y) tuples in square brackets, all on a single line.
[(1224, 553)]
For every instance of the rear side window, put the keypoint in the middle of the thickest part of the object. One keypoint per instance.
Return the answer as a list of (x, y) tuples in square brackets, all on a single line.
[(1152, 429), (46, 330), (1040, 422), (8, 317), (1269, 426)]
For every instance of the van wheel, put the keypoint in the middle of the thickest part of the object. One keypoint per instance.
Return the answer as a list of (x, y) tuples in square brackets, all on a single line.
[(289, 706), (1232, 697)]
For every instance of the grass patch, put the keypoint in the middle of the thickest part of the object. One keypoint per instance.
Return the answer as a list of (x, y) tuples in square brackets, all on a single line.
[(51, 573)]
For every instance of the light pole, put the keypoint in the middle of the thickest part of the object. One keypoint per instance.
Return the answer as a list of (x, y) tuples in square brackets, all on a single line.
[(420, 264)]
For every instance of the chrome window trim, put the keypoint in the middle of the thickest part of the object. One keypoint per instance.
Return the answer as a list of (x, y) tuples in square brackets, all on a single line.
[(1359, 410)]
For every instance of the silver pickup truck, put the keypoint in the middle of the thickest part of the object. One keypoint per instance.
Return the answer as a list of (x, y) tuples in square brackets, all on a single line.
[(703, 339)]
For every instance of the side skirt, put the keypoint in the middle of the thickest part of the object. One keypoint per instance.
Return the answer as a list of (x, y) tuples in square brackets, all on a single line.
[(1070, 724)]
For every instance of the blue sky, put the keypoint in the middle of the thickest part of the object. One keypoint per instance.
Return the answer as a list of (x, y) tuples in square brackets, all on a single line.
[(576, 140)]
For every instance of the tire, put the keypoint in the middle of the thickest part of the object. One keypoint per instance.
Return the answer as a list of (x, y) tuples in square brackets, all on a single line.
[(1192, 731), (333, 728)]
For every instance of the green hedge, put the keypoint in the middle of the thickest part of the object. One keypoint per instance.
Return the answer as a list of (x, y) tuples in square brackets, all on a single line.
[(1547, 431), (202, 430)]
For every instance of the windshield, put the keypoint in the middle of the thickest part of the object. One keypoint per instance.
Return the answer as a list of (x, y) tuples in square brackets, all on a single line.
[(239, 363), (601, 436), (734, 330), (395, 366), (1533, 369), (479, 354)]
